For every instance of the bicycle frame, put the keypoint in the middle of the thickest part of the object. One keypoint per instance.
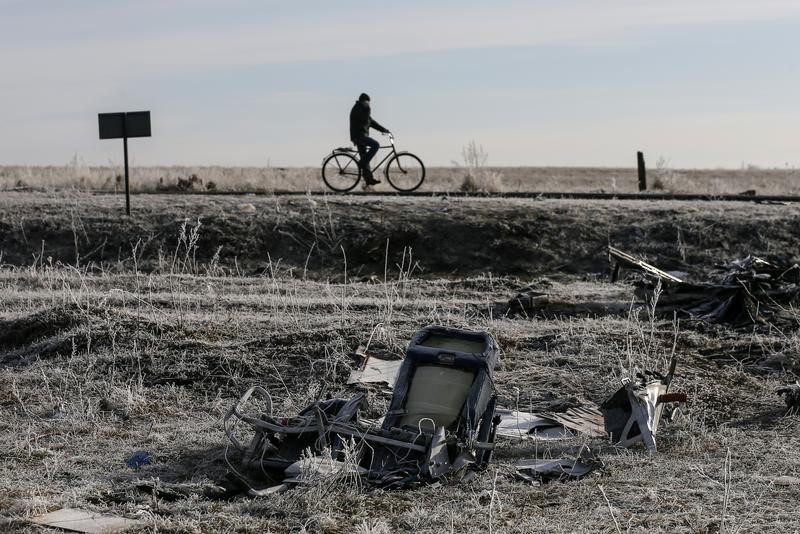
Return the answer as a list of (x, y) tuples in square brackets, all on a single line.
[(385, 158)]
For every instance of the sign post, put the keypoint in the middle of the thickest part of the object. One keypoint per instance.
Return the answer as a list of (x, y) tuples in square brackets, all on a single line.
[(124, 125)]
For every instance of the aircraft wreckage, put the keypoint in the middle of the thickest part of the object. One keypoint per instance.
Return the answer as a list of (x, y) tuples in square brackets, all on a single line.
[(443, 419)]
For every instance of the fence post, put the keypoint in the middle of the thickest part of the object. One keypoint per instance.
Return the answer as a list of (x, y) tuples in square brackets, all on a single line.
[(127, 181), (642, 171)]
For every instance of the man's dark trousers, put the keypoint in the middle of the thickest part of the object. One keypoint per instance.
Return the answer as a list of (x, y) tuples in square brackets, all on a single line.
[(367, 148)]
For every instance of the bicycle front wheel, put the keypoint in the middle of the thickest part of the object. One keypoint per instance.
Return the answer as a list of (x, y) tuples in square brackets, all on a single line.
[(405, 172), (340, 172)]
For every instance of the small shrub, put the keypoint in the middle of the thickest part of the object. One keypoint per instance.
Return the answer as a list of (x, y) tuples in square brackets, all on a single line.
[(663, 175), (189, 184), (469, 184), (485, 182), (478, 178)]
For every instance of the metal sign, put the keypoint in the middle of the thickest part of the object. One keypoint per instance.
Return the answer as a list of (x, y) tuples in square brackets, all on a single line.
[(122, 126)]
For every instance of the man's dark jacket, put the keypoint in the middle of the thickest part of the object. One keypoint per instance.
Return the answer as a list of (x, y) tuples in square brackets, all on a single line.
[(361, 120)]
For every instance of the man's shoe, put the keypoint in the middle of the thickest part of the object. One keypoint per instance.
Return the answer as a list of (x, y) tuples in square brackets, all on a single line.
[(369, 178)]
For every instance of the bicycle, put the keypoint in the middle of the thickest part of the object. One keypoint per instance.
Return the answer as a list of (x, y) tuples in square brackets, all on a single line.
[(341, 170)]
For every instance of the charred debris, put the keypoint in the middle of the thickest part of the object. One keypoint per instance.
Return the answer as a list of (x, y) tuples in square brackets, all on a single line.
[(735, 294), (442, 423), (791, 395), (739, 293), (441, 420)]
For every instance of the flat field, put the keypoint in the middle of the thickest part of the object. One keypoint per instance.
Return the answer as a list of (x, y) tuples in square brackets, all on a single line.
[(661, 178), (124, 334)]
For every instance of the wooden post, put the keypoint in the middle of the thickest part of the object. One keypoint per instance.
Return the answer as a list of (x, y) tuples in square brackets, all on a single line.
[(127, 187), (642, 171)]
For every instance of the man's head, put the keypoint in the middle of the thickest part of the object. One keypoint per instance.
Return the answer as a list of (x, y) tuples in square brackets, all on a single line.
[(364, 98)]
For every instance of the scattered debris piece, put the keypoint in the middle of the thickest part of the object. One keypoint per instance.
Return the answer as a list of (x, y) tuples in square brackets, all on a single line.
[(582, 419), (740, 293), (786, 480), (632, 413), (169, 491), (440, 419), (246, 207), (272, 490), (791, 393), (524, 301), (438, 459), (138, 459), (76, 520), (545, 470), (522, 425), (744, 292), (533, 303), (278, 443), (372, 369), (551, 426), (445, 382), (623, 259)]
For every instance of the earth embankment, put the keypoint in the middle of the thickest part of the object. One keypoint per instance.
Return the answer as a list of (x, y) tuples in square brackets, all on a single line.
[(318, 235)]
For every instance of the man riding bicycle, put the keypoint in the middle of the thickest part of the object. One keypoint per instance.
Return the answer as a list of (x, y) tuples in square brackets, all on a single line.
[(360, 123)]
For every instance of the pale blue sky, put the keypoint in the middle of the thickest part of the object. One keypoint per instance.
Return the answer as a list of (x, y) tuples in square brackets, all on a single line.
[(703, 83)]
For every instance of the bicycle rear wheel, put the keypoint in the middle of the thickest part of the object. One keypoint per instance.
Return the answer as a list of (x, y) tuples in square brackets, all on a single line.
[(341, 172), (405, 172)]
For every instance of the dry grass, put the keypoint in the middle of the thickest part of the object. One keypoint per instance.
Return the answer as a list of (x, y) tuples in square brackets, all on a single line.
[(98, 363), (151, 179), (151, 362), (481, 178)]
